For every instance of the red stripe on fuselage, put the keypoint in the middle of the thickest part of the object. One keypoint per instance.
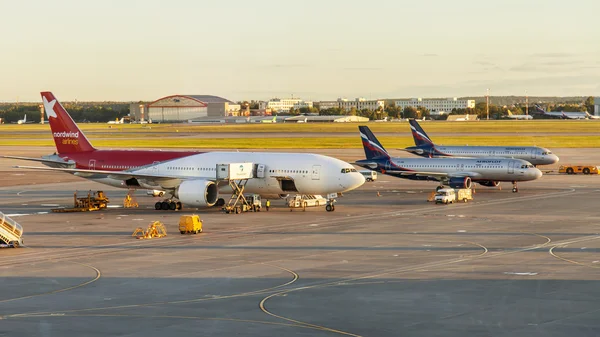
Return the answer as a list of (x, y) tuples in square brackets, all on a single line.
[(119, 160)]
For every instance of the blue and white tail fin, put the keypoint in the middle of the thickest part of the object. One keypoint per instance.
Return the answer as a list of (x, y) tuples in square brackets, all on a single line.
[(373, 148), (539, 109), (419, 135)]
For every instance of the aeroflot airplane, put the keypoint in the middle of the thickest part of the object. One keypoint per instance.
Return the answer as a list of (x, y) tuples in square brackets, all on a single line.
[(190, 177), (454, 172), (426, 148)]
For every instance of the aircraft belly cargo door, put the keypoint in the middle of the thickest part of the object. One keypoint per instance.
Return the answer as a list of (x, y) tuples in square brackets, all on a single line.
[(316, 172)]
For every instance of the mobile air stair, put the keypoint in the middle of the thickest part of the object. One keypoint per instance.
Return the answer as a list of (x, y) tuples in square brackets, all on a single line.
[(10, 232)]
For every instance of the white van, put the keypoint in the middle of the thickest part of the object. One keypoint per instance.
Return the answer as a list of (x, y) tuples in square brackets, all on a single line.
[(369, 175)]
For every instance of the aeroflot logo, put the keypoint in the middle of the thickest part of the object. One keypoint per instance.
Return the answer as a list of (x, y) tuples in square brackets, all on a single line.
[(69, 137)]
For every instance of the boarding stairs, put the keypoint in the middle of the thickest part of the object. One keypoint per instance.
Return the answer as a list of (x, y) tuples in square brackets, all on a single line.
[(10, 231)]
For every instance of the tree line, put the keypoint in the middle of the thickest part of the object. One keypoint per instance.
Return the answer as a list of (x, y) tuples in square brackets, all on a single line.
[(79, 113)]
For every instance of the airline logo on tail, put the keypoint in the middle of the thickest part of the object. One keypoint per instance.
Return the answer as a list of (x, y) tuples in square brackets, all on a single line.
[(372, 147), (420, 135), (49, 107), (67, 136)]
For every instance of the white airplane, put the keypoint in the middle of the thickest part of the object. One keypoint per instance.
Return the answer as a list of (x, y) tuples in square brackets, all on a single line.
[(189, 177), (511, 116), (24, 120), (117, 121)]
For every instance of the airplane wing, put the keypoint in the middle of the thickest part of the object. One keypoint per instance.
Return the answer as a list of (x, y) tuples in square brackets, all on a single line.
[(165, 181), (440, 176), (52, 162)]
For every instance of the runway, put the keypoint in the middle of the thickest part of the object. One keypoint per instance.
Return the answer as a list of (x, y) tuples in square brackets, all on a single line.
[(507, 264)]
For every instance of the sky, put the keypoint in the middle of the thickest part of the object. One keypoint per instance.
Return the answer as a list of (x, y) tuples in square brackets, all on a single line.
[(130, 50)]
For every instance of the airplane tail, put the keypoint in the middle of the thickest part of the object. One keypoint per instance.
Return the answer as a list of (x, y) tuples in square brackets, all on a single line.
[(539, 109), (372, 146), (67, 136), (419, 135)]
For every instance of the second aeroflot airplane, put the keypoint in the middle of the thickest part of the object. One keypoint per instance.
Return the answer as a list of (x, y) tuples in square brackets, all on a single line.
[(190, 177), (454, 172), (426, 148)]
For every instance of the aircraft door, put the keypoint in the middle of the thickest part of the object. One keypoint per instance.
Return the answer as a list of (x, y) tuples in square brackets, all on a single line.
[(260, 171), (511, 167), (92, 164), (533, 153), (316, 172), (155, 167)]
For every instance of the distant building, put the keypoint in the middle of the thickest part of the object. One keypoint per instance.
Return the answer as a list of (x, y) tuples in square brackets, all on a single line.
[(180, 108), (360, 104), (597, 106), (326, 119), (437, 106), (283, 105), (324, 105)]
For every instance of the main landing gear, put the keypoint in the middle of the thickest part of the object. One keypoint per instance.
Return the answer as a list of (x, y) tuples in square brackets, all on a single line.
[(168, 205), (515, 187)]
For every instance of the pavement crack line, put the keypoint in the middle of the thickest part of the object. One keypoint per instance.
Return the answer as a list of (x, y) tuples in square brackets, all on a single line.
[(83, 284)]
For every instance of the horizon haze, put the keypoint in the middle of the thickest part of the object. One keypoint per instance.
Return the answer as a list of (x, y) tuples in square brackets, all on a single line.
[(319, 50)]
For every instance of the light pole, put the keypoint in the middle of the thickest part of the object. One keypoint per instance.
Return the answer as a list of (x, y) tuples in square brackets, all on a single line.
[(487, 103)]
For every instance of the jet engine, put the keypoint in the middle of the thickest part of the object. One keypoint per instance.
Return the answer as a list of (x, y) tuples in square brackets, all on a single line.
[(460, 182), (489, 183), (197, 193)]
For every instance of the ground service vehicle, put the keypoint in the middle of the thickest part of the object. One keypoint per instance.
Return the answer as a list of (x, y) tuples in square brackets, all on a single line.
[(155, 193), (189, 224), (369, 175), (303, 201), (573, 169), (254, 201), (451, 195)]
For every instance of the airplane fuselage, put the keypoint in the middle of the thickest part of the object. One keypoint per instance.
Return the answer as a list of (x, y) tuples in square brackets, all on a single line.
[(479, 169), (533, 154), (299, 173)]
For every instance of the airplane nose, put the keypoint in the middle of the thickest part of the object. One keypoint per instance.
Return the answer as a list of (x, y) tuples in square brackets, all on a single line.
[(538, 174), (554, 159), (355, 180)]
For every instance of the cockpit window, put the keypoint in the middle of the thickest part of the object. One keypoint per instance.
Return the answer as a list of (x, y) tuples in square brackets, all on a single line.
[(527, 166), (348, 170), (546, 153)]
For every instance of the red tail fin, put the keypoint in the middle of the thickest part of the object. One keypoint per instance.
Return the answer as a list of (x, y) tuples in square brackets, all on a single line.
[(67, 136)]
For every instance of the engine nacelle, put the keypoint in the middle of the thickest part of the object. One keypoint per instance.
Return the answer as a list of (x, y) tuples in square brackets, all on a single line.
[(489, 183), (460, 182), (198, 193)]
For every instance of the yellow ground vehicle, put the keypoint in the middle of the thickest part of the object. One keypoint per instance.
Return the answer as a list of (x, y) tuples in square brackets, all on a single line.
[(93, 202), (155, 230), (189, 224), (574, 169)]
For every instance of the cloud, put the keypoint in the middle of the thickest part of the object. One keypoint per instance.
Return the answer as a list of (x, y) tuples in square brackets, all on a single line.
[(283, 65), (362, 68), (553, 55)]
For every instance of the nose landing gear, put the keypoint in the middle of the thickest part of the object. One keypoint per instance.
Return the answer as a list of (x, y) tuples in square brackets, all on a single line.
[(515, 188)]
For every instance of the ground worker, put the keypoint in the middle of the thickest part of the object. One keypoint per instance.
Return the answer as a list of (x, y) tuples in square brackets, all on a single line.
[(268, 204)]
